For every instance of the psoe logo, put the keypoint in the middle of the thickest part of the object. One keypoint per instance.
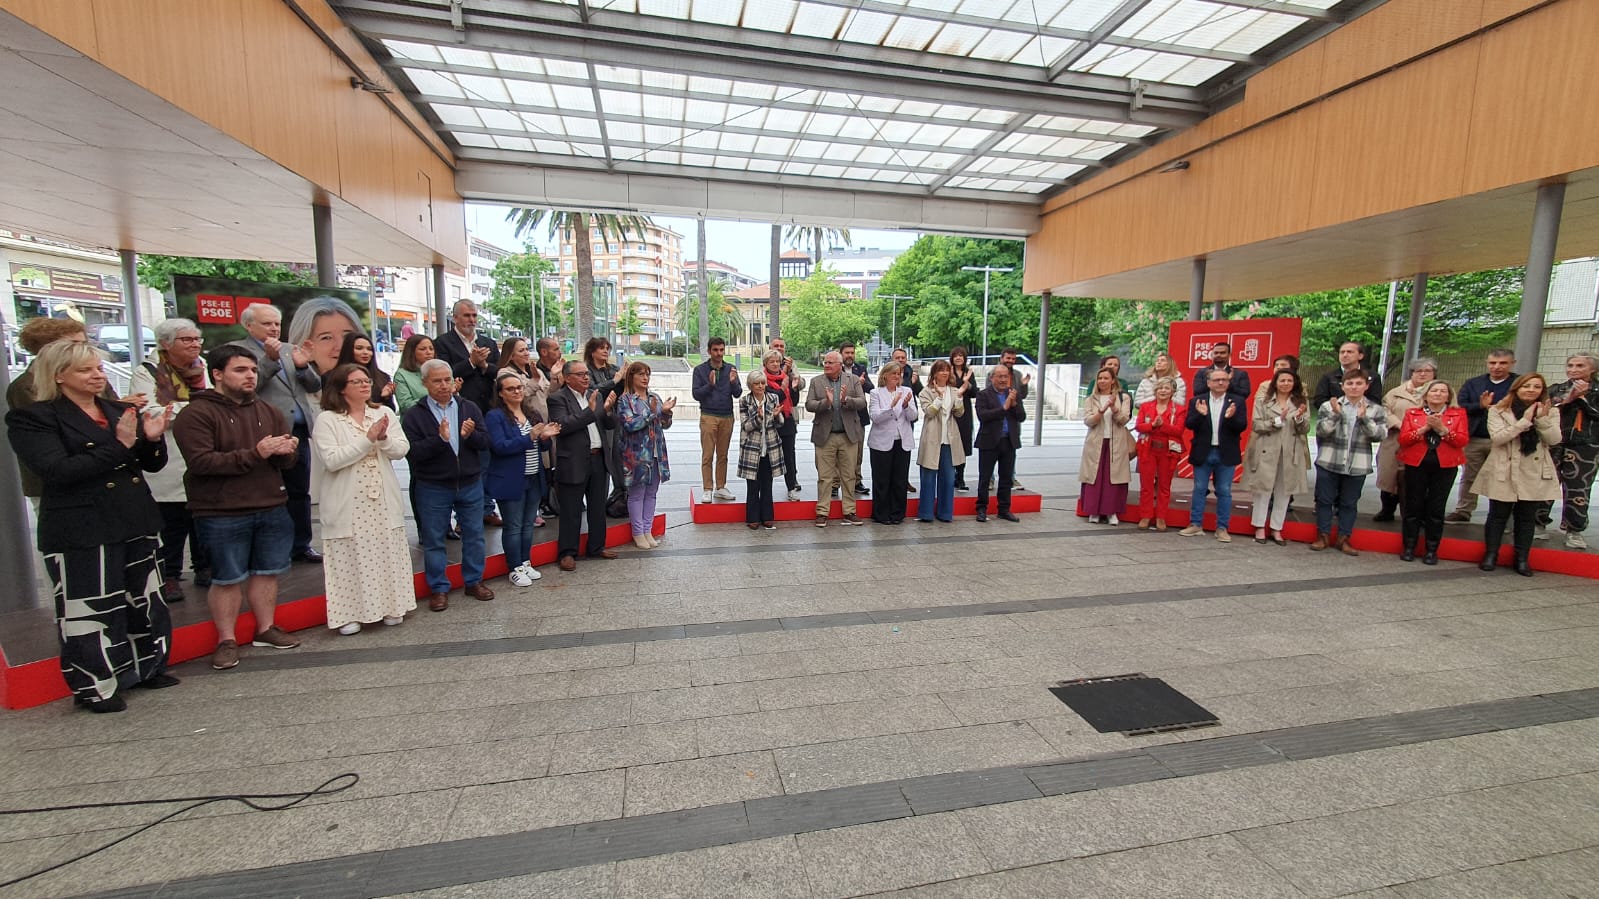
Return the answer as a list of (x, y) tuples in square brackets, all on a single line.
[(1200, 345), (1252, 348)]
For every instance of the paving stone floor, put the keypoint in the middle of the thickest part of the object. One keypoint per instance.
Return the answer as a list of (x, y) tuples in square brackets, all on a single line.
[(685, 722)]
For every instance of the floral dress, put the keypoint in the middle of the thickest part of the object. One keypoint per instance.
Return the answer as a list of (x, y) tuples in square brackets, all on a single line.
[(643, 440)]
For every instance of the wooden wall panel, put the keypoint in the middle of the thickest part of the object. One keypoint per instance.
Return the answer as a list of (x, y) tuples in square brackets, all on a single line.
[(1536, 112), (291, 79), (1261, 181), (1291, 82), (365, 153), (1494, 11), (68, 21), (1393, 32)]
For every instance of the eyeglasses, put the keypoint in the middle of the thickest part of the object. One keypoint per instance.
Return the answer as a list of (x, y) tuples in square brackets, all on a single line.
[(511, 388), (354, 383), (195, 339)]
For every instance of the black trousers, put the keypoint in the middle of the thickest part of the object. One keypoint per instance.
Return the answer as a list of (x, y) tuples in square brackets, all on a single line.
[(786, 432), (177, 528), (1525, 515), (1005, 456), (297, 480), (574, 497), (1426, 498), (891, 478), (758, 502), (115, 631)]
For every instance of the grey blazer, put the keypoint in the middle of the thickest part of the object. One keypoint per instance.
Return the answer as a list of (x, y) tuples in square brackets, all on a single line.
[(284, 395), (854, 403)]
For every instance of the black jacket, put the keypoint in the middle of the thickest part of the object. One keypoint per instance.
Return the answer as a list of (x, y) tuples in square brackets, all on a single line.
[(431, 458), (477, 384), (991, 416), (1238, 386), (1231, 426), (94, 490), (572, 447), (1331, 384)]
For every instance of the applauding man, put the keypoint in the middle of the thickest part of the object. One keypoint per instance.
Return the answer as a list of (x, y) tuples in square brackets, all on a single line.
[(1346, 428), (1217, 418), (1000, 414), (580, 463), (447, 446)]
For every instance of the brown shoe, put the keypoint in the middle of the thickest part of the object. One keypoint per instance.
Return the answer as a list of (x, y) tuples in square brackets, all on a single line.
[(480, 592), (1160, 524), (492, 520), (568, 563), (1346, 549), (604, 554), (438, 602), (1143, 524), (1319, 544)]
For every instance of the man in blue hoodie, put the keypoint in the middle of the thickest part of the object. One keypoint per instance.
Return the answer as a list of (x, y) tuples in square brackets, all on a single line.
[(715, 387)]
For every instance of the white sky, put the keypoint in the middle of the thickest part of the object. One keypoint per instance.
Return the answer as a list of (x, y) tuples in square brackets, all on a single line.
[(744, 245)]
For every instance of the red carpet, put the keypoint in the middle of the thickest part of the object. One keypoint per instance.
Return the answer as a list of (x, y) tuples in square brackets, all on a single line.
[(805, 510)]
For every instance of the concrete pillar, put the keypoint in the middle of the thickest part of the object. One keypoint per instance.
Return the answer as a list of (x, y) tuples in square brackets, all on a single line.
[(1196, 295), (1418, 299), (16, 540), (1043, 361), (327, 274), (1215, 311), (131, 307), (441, 305), (1540, 269)]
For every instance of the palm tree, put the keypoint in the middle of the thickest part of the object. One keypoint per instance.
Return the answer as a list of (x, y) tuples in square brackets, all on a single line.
[(775, 283), (815, 235), (578, 224), (704, 286), (721, 315)]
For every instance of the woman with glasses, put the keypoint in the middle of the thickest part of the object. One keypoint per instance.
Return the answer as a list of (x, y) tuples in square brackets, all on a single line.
[(642, 418), (366, 565), (516, 470)]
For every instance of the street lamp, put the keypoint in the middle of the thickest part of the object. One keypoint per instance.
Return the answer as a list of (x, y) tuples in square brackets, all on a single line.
[(986, 270), (893, 320)]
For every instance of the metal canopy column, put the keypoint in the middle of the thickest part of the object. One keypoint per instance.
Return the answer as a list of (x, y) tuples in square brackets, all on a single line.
[(1418, 299), (1043, 360), (130, 303), (1540, 268), (1215, 311), (16, 544), (322, 234), (441, 317), (1196, 295)]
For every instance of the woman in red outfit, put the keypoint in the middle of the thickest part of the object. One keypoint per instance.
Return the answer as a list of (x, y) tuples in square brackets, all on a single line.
[(1432, 438), (1160, 445)]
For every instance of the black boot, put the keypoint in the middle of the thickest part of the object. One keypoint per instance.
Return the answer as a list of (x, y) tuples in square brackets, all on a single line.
[(1408, 531), (1493, 534), (1525, 524), (1431, 558), (1390, 502), (1523, 567)]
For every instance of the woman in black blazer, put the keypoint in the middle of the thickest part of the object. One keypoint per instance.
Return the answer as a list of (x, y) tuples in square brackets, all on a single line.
[(97, 525)]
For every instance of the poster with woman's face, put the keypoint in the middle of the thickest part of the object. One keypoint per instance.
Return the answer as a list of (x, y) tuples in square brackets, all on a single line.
[(314, 318)]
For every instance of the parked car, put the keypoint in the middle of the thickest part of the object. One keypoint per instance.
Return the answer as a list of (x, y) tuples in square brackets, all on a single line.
[(113, 339)]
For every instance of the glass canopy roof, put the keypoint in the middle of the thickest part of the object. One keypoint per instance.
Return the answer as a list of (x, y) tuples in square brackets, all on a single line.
[(989, 99)]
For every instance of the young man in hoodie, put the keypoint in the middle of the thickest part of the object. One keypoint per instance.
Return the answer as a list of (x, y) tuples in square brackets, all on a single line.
[(237, 447)]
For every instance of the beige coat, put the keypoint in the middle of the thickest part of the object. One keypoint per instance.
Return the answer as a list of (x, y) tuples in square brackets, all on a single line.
[(1101, 426), (1278, 458), (338, 447), (1509, 476), (936, 415), (1397, 401)]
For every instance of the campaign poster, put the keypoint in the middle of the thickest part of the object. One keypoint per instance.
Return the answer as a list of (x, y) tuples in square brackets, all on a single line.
[(1255, 343), (317, 318)]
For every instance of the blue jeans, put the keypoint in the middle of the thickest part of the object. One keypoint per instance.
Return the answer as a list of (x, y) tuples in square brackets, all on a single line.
[(516, 534), (1337, 493), (938, 490), (242, 546), (1212, 470), (434, 502)]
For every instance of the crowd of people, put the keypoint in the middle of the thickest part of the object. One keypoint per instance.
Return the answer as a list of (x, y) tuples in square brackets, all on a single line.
[(503, 435)]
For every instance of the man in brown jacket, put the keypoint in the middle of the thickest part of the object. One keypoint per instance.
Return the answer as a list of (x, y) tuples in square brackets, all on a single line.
[(236, 447)]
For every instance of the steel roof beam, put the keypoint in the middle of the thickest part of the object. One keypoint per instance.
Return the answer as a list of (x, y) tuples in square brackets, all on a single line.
[(1116, 19)]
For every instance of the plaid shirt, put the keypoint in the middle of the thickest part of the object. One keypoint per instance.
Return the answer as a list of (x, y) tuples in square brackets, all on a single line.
[(1344, 446)]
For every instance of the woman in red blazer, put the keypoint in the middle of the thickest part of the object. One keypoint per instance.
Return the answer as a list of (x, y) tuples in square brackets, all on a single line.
[(1432, 438), (1160, 446)]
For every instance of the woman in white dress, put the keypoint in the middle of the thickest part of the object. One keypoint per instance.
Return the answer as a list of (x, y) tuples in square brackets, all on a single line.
[(367, 570)]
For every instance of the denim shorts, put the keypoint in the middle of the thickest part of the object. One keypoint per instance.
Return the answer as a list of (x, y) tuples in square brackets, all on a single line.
[(245, 545)]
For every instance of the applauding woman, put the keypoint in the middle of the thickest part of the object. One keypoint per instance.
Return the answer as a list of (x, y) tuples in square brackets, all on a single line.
[(762, 412), (940, 450), (892, 408), (966, 387), (1279, 455), (357, 349), (1160, 422), (354, 444), (408, 389), (642, 419), (516, 470), (1107, 450), (97, 524), (1432, 443), (1163, 369), (1519, 476)]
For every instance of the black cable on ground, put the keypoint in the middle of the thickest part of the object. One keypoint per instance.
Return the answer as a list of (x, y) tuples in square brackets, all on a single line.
[(253, 800)]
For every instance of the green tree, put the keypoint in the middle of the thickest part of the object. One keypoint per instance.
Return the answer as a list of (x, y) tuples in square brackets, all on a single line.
[(722, 316), (1137, 330), (822, 314), (576, 227), (629, 323), (157, 271), (516, 290)]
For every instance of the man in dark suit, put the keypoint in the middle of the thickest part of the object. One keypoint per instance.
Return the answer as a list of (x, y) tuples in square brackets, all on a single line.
[(1000, 414), (580, 463), (1216, 418), (475, 360)]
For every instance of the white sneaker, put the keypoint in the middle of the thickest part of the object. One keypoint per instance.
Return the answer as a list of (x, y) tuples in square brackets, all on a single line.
[(393, 620), (532, 573), (706, 497), (1540, 532), (1114, 521), (794, 495), (519, 576), (1574, 541), (722, 493), (352, 628)]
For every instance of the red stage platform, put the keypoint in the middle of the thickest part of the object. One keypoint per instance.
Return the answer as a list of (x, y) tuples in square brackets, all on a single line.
[(803, 510), (36, 683)]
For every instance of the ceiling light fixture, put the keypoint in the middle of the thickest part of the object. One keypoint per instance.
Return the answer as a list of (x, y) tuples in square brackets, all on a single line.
[(371, 87), (1178, 165)]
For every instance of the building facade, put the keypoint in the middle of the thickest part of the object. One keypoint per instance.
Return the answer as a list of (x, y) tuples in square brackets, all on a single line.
[(49, 278), (646, 270)]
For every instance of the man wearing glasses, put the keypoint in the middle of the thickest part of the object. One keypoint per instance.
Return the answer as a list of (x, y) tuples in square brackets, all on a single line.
[(580, 463)]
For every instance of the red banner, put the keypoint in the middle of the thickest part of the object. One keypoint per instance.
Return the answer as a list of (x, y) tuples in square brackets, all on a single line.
[(1255, 343)]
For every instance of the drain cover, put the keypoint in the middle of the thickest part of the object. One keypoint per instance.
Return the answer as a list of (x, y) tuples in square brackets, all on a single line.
[(1131, 704)]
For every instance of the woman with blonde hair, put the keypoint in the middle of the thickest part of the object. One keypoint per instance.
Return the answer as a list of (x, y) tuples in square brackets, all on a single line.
[(1399, 399), (642, 419), (1432, 447), (1518, 477), (1163, 367), (940, 450), (1160, 447), (1106, 468), (892, 408)]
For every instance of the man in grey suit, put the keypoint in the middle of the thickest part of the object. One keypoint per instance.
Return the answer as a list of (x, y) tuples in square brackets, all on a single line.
[(285, 378), (836, 400)]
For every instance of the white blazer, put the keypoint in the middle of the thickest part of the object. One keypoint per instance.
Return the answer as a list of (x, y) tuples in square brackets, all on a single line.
[(339, 449), (890, 422)]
